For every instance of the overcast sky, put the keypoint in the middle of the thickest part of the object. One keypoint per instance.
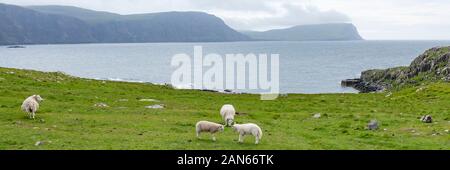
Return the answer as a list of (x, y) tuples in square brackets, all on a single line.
[(375, 19)]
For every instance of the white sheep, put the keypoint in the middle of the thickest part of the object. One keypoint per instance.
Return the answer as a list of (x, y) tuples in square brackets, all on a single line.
[(31, 105), (227, 112), (248, 129), (211, 127)]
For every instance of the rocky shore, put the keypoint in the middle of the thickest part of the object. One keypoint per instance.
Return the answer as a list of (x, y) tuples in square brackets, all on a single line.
[(431, 66)]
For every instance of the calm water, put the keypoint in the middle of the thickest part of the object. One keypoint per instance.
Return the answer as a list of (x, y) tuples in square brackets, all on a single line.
[(305, 67)]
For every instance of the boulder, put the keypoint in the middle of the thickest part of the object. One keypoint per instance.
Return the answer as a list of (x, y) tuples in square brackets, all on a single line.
[(317, 115), (156, 106), (372, 125), (103, 105)]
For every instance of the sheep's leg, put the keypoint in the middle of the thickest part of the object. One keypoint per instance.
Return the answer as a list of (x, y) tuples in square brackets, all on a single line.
[(198, 134), (256, 139), (33, 114), (213, 137), (241, 138)]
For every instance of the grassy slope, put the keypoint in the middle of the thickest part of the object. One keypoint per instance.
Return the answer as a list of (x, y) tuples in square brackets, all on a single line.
[(69, 120)]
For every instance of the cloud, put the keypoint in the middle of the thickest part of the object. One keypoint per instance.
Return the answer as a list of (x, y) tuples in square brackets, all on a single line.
[(381, 19), (239, 14), (286, 15)]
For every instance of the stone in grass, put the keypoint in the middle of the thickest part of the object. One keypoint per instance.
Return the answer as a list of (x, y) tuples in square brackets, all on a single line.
[(39, 143), (156, 106), (149, 100), (101, 105), (373, 125), (426, 119), (317, 115)]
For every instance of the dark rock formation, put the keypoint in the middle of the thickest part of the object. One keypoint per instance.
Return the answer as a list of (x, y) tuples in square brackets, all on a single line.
[(431, 66)]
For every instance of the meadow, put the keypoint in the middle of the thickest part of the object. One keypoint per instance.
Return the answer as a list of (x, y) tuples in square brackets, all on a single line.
[(72, 117)]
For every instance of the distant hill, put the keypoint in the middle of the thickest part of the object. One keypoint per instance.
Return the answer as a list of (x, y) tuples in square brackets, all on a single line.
[(319, 32), (87, 15), (23, 26), (65, 24)]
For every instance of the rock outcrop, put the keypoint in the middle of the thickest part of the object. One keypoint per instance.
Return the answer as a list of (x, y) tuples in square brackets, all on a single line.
[(431, 66)]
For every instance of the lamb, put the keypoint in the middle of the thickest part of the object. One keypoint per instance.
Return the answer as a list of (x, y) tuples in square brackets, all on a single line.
[(248, 129), (211, 127), (227, 112), (31, 105)]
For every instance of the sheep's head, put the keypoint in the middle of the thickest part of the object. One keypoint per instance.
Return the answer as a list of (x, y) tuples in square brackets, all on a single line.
[(221, 128), (234, 127), (230, 122), (38, 98)]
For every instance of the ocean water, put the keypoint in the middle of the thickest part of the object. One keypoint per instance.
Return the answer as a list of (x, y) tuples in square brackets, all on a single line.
[(305, 67)]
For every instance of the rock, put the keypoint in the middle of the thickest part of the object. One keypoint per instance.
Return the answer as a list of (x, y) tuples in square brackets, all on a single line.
[(389, 94), (208, 90), (228, 91), (360, 85), (373, 125), (16, 46), (419, 89), (433, 65), (426, 119), (101, 105), (317, 115), (149, 100), (350, 82), (38, 143), (156, 106)]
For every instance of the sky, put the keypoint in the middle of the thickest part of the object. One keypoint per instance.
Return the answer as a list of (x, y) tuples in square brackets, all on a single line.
[(375, 19)]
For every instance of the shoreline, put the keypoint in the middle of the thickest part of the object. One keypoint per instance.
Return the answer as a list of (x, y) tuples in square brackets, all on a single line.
[(194, 42), (225, 91)]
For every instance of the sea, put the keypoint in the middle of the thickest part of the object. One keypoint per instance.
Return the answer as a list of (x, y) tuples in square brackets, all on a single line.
[(304, 67)]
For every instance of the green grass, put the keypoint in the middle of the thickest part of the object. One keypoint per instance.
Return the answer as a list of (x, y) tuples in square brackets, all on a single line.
[(68, 118)]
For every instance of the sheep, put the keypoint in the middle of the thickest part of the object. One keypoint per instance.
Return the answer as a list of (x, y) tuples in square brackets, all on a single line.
[(227, 112), (248, 129), (211, 127), (31, 105)]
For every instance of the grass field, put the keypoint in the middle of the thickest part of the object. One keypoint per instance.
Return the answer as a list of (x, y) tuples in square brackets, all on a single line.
[(68, 118)]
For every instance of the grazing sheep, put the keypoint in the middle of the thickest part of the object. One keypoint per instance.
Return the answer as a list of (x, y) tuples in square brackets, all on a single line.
[(31, 105), (227, 112), (211, 127), (248, 129)]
